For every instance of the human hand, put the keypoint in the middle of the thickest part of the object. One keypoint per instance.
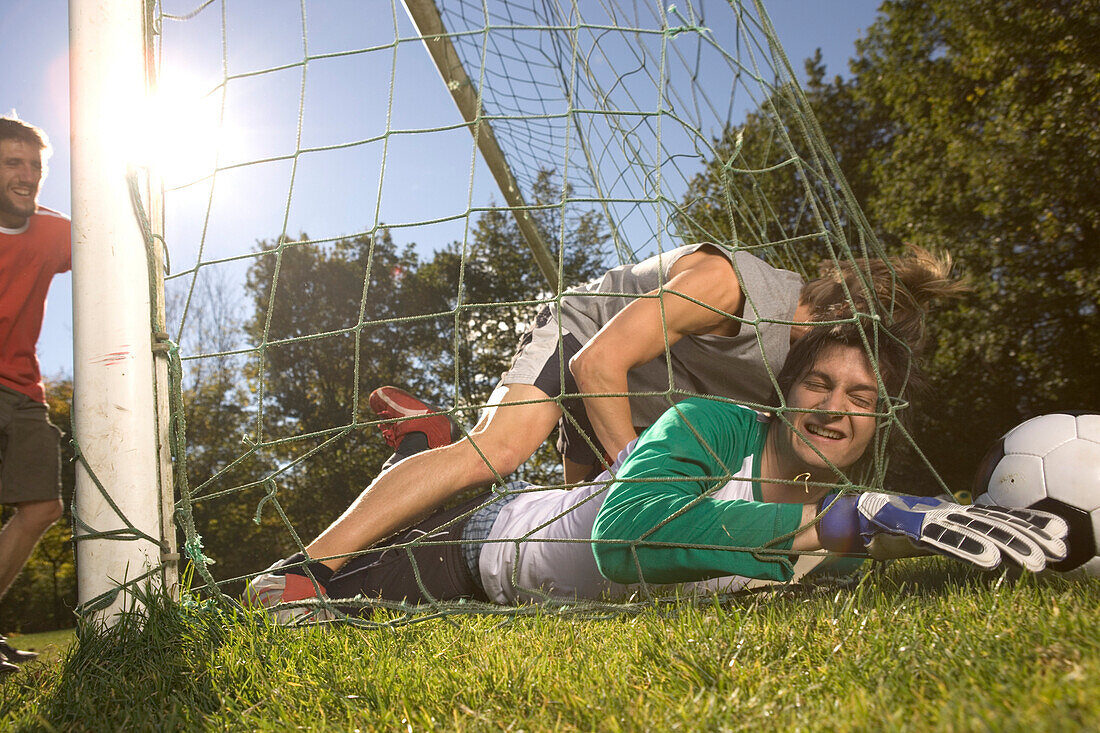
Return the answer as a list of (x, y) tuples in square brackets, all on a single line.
[(980, 535)]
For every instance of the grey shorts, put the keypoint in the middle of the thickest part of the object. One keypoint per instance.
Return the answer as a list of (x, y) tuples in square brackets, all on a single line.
[(539, 362), (30, 458)]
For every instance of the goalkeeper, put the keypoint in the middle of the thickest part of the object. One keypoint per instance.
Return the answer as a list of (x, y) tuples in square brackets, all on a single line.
[(663, 522), (713, 494)]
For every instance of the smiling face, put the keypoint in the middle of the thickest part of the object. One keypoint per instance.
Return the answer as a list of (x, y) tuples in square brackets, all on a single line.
[(20, 175), (840, 381)]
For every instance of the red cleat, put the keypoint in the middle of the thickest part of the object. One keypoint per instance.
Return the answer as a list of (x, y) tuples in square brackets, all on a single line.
[(276, 588), (410, 415)]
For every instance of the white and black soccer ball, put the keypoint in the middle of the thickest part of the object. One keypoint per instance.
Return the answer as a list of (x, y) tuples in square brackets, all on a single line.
[(1051, 462)]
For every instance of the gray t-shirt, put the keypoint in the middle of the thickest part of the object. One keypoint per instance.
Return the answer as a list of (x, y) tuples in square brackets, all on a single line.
[(725, 366)]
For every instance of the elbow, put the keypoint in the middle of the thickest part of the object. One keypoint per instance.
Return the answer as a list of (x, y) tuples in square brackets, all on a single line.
[(580, 366), (592, 371), (615, 555), (614, 563)]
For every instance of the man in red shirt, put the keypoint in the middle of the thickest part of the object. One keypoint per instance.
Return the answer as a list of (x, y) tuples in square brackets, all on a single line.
[(34, 246)]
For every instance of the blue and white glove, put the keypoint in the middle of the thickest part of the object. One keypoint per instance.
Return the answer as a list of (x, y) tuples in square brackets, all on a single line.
[(980, 535)]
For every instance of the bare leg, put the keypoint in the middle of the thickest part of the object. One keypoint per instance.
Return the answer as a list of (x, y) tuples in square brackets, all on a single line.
[(505, 437), (21, 534)]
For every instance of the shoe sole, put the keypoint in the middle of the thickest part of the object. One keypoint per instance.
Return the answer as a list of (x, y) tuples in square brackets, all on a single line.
[(443, 431), (396, 410)]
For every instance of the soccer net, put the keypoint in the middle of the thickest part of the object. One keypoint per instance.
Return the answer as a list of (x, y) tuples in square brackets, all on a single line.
[(361, 194)]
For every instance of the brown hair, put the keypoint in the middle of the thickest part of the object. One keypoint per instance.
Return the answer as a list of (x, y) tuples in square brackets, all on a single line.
[(13, 128), (900, 290), (892, 357), (889, 353)]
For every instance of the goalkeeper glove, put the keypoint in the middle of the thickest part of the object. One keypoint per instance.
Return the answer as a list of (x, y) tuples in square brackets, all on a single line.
[(980, 535)]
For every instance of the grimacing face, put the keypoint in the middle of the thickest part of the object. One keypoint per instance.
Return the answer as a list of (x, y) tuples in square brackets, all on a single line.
[(20, 175), (840, 381)]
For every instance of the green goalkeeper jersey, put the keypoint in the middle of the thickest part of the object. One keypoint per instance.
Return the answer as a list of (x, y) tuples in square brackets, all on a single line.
[(661, 523)]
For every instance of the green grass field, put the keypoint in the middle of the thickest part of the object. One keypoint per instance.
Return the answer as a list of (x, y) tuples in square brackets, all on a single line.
[(924, 645), (50, 645)]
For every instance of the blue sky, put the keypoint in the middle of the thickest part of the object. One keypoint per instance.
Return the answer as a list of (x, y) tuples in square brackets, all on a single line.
[(36, 44)]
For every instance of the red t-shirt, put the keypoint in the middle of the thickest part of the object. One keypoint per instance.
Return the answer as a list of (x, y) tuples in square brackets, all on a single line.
[(29, 258)]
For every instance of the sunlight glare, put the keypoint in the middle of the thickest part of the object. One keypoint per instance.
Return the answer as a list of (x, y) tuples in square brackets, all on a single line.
[(184, 136)]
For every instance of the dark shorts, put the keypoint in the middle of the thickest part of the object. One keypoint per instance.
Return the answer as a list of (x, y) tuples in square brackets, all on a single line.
[(388, 572), (30, 459), (538, 362)]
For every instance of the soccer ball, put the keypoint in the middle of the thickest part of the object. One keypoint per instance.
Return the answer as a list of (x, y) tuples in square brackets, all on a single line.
[(1051, 462)]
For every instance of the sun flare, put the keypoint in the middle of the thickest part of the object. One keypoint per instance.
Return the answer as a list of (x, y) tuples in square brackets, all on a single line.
[(185, 135)]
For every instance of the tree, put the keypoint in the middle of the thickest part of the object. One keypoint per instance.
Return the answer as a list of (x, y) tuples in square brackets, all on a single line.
[(770, 182), (993, 153), (968, 125), (224, 475), (501, 291), (330, 323), (334, 321)]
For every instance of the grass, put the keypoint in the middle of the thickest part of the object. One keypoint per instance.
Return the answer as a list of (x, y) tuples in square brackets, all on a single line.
[(924, 645), (50, 645)]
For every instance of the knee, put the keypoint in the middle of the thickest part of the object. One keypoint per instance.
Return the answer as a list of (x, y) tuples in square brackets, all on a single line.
[(492, 455), (40, 515)]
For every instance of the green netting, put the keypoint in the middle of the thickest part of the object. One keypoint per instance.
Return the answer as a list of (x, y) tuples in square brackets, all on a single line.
[(341, 230)]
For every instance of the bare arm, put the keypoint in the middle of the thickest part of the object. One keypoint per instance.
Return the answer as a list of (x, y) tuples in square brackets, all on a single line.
[(807, 540), (637, 334)]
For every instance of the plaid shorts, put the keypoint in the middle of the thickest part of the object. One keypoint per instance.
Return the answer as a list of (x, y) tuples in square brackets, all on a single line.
[(480, 524)]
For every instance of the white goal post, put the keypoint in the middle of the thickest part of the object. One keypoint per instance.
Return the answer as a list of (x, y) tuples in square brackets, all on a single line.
[(123, 502)]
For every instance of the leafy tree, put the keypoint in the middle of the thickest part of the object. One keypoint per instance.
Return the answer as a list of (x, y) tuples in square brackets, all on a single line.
[(772, 182), (222, 475), (968, 125), (501, 291), (501, 287), (992, 152), (328, 327), (222, 469), (334, 321)]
